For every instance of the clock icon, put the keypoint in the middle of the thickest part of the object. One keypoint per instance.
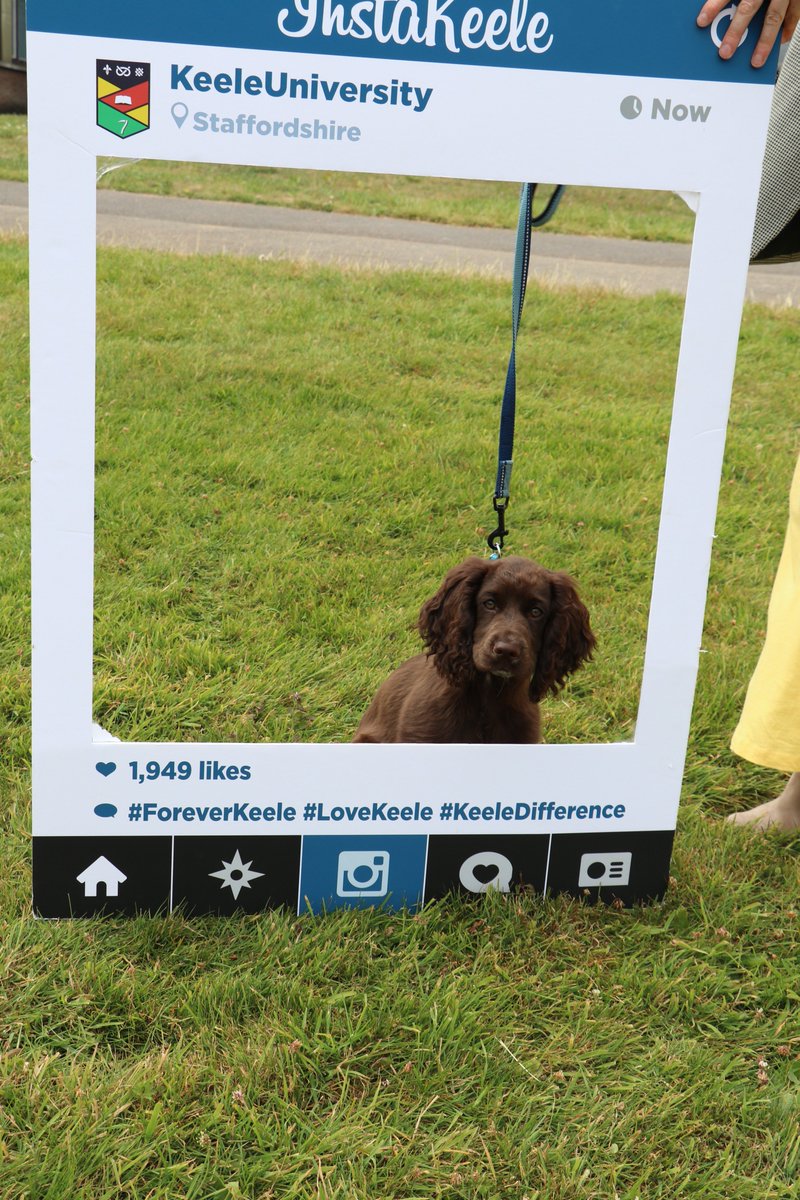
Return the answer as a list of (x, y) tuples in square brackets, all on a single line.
[(631, 107)]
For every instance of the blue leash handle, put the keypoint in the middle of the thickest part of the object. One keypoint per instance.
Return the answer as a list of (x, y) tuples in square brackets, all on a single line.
[(505, 447)]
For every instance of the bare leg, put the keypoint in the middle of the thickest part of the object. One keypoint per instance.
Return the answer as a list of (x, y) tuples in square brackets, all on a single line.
[(781, 813)]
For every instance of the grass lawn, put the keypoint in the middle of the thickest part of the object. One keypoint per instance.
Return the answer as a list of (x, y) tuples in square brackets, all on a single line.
[(287, 461), (269, 522), (651, 216)]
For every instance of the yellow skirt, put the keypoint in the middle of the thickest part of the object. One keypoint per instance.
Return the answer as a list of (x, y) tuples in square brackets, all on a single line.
[(768, 732)]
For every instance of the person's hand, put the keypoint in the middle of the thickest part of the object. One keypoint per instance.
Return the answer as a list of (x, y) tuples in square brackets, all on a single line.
[(782, 16)]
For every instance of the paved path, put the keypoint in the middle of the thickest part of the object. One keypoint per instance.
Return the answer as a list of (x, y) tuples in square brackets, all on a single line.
[(215, 227)]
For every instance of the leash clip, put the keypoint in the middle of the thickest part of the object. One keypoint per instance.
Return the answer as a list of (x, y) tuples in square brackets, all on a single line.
[(497, 536)]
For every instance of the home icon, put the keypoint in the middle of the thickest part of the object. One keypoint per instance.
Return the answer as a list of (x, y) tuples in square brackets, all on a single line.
[(101, 871)]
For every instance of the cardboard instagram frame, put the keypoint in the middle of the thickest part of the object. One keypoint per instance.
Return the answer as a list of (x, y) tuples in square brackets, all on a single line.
[(489, 90)]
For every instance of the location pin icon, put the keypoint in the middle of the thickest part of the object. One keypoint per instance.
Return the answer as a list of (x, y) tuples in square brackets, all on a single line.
[(179, 113)]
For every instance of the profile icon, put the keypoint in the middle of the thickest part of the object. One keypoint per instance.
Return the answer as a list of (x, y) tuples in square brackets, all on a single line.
[(604, 870)]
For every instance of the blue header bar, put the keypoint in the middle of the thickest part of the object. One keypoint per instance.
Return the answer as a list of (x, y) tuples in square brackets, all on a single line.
[(596, 37)]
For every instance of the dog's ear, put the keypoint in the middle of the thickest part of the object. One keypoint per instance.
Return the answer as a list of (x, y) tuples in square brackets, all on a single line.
[(568, 639), (447, 621)]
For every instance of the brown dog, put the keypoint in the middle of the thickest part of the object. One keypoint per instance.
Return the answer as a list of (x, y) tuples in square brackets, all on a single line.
[(500, 636)]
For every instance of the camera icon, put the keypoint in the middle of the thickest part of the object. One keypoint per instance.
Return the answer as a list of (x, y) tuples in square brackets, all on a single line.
[(362, 873), (603, 870)]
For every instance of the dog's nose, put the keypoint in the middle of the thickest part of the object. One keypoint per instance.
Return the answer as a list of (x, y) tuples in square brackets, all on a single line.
[(506, 649)]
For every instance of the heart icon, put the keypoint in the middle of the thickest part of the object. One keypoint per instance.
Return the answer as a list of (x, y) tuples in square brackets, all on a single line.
[(106, 769), (486, 870)]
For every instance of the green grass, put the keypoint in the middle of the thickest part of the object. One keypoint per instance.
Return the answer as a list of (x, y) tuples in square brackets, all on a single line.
[(267, 435), (289, 460), (607, 212)]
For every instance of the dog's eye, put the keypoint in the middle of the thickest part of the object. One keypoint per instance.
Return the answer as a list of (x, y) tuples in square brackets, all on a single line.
[(534, 611), (489, 602)]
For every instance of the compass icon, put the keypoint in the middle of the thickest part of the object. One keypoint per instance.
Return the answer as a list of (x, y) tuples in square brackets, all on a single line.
[(236, 874)]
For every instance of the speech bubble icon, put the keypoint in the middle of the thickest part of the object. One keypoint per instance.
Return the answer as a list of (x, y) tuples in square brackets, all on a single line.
[(486, 870), (180, 112)]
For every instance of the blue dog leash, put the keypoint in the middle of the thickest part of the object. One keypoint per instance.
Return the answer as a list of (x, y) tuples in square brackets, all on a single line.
[(505, 448)]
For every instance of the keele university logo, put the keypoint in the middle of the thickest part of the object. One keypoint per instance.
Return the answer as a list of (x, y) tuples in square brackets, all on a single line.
[(123, 96)]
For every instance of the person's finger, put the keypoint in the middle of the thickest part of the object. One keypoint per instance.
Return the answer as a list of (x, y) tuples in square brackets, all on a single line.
[(792, 20), (773, 23), (710, 10), (740, 20), (777, 17)]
